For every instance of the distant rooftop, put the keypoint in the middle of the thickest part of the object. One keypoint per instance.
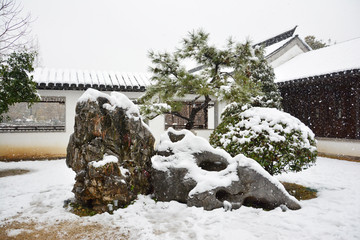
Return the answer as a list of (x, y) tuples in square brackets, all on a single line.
[(82, 79), (278, 38), (336, 58), (270, 45)]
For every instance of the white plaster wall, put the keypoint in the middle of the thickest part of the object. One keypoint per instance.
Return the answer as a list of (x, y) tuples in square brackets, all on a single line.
[(204, 133), (27, 145), (42, 144), (333, 146), (221, 106), (211, 118), (53, 144), (45, 144), (157, 127), (292, 52)]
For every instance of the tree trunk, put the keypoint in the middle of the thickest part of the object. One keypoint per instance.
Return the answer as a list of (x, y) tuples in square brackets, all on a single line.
[(190, 124)]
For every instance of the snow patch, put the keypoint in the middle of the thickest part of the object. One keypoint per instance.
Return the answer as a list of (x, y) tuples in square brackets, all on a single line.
[(125, 172), (333, 215), (15, 232), (106, 159)]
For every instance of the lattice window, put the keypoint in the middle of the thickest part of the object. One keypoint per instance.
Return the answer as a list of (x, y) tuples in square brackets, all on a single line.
[(48, 115), (201, 119)]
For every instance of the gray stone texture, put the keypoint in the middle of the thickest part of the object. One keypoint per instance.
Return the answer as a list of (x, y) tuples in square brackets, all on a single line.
[(252, 188), (99, 132)]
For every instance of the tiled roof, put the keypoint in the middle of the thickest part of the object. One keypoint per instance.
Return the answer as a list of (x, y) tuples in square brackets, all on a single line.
[(323, 77), (82, 79), (277, 38)]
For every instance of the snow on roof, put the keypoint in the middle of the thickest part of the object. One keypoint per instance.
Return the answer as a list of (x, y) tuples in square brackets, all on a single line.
[(336, 58), (82, 79), (272, 48)]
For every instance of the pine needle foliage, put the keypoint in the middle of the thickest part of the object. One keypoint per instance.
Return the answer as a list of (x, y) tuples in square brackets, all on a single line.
[(234, 73)]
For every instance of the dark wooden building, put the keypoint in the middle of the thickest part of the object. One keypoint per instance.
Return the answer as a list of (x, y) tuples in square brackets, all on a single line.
[(322, 88), (329, 104)]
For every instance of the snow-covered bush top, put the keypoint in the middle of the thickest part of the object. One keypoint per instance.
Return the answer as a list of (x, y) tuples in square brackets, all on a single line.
[(277, 140), (275, 123), (183, 157)]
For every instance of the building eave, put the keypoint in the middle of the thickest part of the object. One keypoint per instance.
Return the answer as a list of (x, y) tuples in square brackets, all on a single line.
[(339, 74), (277, 38)]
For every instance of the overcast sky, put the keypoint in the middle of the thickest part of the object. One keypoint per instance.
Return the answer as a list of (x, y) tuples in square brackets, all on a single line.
[(117, 34)]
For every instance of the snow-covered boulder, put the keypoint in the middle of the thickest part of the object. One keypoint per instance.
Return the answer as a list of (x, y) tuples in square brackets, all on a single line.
[(110, 150), (187, 169)]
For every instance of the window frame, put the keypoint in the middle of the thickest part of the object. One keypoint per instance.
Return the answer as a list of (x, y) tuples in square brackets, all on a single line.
[(187, 107), (39, 128)]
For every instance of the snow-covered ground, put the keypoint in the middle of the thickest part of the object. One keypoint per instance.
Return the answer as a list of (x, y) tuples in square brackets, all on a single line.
[(38, 196)]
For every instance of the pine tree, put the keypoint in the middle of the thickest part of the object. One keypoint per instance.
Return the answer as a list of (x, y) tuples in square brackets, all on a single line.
[(236, 73), (315, 43)]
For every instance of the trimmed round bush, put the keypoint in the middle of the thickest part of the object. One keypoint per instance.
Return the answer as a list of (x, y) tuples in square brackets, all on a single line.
[(275, 139)]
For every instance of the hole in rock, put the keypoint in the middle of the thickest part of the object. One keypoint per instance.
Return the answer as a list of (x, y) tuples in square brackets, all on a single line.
[(175, 137), (212, 166), (257, 203), (223, 195)]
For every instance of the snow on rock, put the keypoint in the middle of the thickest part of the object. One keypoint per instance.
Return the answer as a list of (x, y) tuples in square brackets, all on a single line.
[(188, 169), (124, 171), (107, 159), (115, 99), (183, 157), (110, 150)]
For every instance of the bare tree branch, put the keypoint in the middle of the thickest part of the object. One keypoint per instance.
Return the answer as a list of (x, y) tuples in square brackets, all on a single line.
[(13, 26)]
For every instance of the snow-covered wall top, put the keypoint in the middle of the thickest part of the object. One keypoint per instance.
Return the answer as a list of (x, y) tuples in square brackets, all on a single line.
[(81, 79), (336, 58)]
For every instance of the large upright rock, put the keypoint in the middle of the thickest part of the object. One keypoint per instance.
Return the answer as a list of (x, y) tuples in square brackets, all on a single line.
[(110, 150), (187, 169)]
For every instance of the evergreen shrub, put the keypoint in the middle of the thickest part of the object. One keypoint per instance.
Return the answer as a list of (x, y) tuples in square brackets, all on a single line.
[(275, 139)]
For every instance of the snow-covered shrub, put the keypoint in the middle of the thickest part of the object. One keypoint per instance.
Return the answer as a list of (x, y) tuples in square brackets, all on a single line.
[(275, 139), (259, 101)]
